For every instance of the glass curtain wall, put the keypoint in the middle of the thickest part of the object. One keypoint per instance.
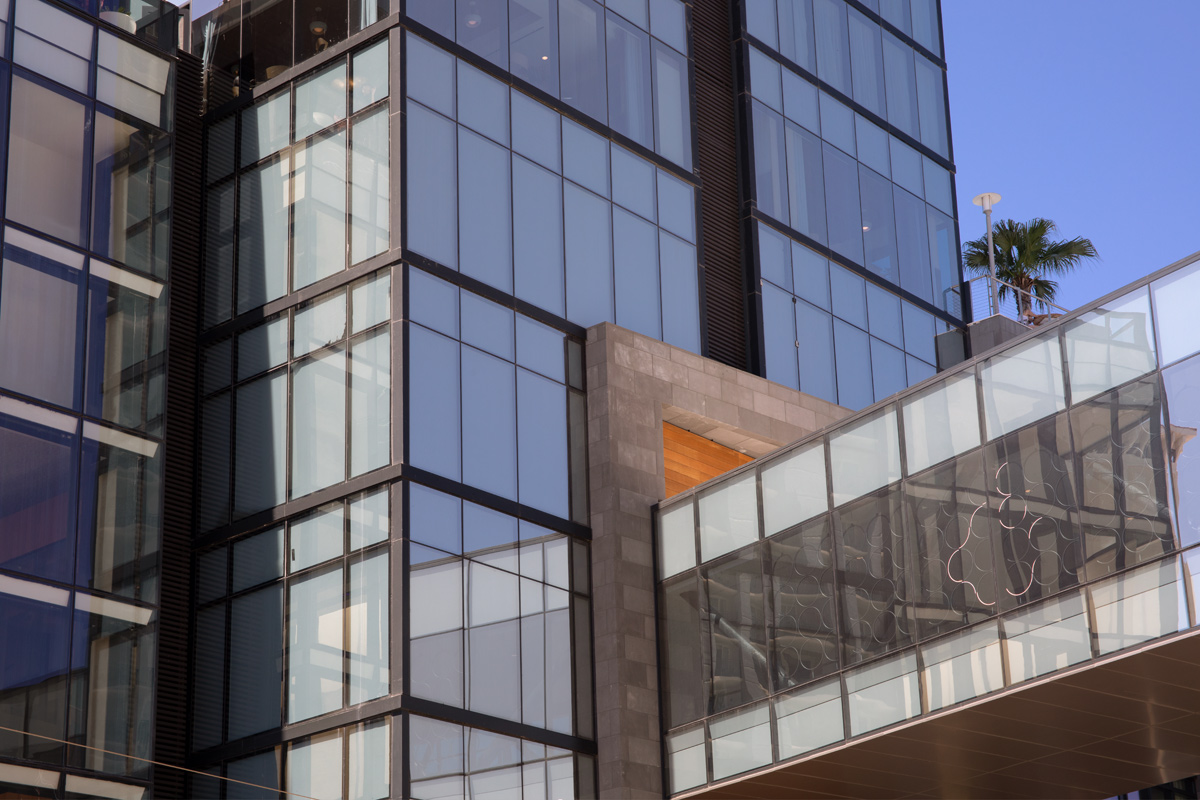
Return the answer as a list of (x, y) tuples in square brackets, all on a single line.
[(852, 189), (86, 162), (1016, 516)]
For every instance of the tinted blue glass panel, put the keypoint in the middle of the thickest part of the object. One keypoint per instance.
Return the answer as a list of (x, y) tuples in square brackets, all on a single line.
[(853, 366), (482, 27), (538, 235), (796, 33), (866, 60), (800, 101), (918, 370), (774, 257), (878, 225), (483, 103), (833, 46), (542, 426), (436, 68), (433, 398), (589, 257), (540, 348), (918, 333), (814, 331), (635, 266), (672, 106), (770, 163), (760, 21), (943, 247), (535, 131), (841, 205), (912, 243), (668, 23), (434, 518), (432, 222), (779, 335), (581, 48), (489, 422), (585, 157), (901, 85), (931, 100), (432, 302), (633, 183), (837, 124), (883, 311), (34, 679), (681, 320), (765, 80), (849, 302), (437, 14), (811, 273), (872, 145), (37, 499), (484, 197), (806, 182), (887, 369), (533, 43), (906, 167), (937, 186), (676, 206), (487, 326), (628, 84)]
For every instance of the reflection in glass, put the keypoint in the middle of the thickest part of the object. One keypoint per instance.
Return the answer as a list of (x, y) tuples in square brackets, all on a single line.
[(728, 517), (864, 456), (1023, 384), (131, 194), (803, 629), (263, 234), (741, 741), (1138, 606), (683, 648), (370, 179), (319, 224), (737, 614), (793, 488), (809, 718), (882, 694), (33, 681), (1182, 386), (1047, 637), (940, 422), (37, 498), (963, 666), (1110, 346), (315, 660)]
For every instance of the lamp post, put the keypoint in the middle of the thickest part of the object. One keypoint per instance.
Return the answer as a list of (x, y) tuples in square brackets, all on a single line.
[(987, 200)]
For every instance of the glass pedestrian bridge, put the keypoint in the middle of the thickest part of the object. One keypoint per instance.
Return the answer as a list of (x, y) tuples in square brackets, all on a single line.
[(1026, 515)]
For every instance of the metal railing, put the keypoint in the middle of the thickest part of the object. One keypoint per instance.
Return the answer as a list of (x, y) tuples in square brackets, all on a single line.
[(980, 290)]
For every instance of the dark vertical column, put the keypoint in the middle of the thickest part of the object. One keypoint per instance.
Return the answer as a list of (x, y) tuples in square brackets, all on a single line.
[(717, 163), (171, 711)]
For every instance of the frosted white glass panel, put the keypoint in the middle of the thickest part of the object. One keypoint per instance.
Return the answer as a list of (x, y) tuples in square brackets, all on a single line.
[(963, 666), (1110, 346), (319, 423), (728, 517), (1175, 307), (1050, 636), (810, 718), (794, 488), (864, 456), (741, 741), (1023, 385), (1139, 606), (676, 540), (687, 765), (941, 422), (883, 694)]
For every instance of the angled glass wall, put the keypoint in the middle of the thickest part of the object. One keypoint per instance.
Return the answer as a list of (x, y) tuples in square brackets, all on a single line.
[(85, 156), (1013, 517), (851, 196)]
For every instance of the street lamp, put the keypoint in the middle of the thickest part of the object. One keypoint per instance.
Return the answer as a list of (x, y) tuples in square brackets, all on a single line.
[(987, 200)]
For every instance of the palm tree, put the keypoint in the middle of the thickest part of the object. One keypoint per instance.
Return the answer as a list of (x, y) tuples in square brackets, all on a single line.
[(1025, 257)]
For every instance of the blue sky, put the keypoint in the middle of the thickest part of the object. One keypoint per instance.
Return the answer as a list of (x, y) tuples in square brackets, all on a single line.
[(1087, 113)]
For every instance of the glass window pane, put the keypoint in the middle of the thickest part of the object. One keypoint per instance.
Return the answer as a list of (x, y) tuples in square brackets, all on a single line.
[(872, 144), (941, 422), (483, 29), (540, 348), (589, 257), (260, 433), (41, 330), (370, 402), (681, 318), (931, 99), (683, 646), (257, 559), (833, 46), (262, 347), (487, 326), (906, 167), (433, 302), (901, 85), (1177, 325), (484, 198), (261, 770), (912, 242), (46, 166), (1110, 346), (963, 666), (319, 423), (676, 540), (368, 634), (809, 718), (318, 537), (814, 330), (676, 206), (131, 195), (320, 101), (837, 124), (38, 465), (221, 214), (687, 764), (255, 661), (811, 275), (369, 519), (319, 224), (1182, 386), (370, 68), (887, 369), (728, 517), (633, 183), (793, 488), (370, 178), (542, 443), (741, 741), (265, 127), (368, 761), (883, 312), (806, 182), (319, 324), (489, 419), (628, 52), (370, 301), (842, 206), (864, 456), (668, 22), (315, 659), (800, 102), (581, 48), (635, 261), (585, 157), (765, 80), (483, 103), (770, 163), (538, 235), (779, 334), (853, 352), (263, 234), (878, 225), (432, 223), (433, 398), (943, 248), (1022, 385), (866, 60), (1047, 637), (882, 694), (314, 766), (533, 43), (926, 29), (215, 461), (937, 185), (672, 107), (53, 43), (436, 68), (536, 131)]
